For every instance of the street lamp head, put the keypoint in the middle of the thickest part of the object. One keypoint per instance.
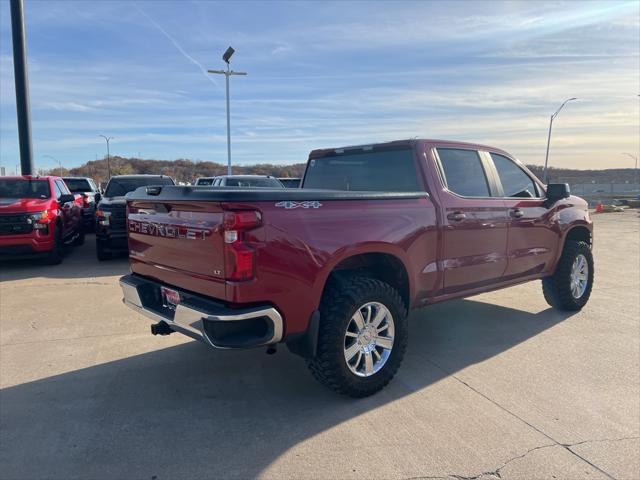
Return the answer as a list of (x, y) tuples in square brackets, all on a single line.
[(227, 54)]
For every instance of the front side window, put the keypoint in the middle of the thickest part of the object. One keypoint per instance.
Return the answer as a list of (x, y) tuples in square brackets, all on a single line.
[(515, 182), (56, 189), (463, 172), (63, 187)]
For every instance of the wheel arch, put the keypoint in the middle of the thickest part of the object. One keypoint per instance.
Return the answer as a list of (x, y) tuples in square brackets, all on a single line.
[(579, 233), (384, 264)]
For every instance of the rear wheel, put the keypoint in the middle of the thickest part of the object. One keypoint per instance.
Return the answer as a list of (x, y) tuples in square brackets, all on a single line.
[(54, 257), (569, 288), (362, 338), (102, 253)]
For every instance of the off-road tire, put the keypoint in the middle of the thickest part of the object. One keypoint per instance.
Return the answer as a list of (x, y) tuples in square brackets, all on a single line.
[(79, 240), (557, 287), (102, 253), (54, 257), (339, 303)]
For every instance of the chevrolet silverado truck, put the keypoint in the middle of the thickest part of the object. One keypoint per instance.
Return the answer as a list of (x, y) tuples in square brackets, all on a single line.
[(38, 216), (110, 223), (333, 268)]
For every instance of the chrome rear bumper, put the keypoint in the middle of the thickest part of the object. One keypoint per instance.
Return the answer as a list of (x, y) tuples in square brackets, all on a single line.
[(204, 319)]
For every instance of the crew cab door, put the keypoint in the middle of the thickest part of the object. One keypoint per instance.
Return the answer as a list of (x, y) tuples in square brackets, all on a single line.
[(533, 239), (474, 222)]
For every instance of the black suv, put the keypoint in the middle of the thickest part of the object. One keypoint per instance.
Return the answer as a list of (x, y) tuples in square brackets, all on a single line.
[(90, 197), (111, 221)]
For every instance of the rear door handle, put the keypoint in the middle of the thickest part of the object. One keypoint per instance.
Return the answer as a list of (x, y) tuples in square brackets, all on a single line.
[(517, 213), (456, 216)]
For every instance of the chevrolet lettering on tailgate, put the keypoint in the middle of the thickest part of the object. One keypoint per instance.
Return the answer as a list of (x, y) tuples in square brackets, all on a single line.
[(167, 231)]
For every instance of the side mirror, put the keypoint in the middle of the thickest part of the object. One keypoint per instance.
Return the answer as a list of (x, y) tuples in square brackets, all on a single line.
[(98, 197), (558, 191), (66, 198)]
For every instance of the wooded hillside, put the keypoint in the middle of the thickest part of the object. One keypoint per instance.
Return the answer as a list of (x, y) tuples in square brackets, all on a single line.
[(180, 170)]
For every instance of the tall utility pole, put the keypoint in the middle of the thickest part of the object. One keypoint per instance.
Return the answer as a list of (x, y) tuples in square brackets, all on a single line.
[(108, 156), (22, 86), (227, 73), (56, 160), (635, 159), (546, 159)]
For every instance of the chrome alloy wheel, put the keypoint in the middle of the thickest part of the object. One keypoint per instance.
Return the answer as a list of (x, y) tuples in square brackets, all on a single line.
[(368, 340), (579, 276)]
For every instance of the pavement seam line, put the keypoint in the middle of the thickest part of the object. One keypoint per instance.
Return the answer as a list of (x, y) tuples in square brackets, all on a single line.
[(568, 449)]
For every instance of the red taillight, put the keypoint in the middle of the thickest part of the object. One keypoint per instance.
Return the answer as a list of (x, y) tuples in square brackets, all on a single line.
[(85, 200), (242, 220), (240, 258)]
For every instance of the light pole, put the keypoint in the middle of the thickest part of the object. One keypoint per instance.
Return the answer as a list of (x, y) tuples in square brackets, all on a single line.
[(227, 73), (546, 158), (108, 163), (56, 160), (635, 158)]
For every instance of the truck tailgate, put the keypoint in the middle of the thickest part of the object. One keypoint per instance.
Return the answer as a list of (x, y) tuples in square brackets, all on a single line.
[(179, 243)]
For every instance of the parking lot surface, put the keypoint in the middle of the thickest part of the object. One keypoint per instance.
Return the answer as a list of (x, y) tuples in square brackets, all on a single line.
[(495, 386)]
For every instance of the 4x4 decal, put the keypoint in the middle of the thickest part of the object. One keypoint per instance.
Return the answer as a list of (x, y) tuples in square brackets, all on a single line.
[(289, 205)]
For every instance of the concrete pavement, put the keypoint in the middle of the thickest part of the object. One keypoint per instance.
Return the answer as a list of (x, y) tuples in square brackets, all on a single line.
[(496, 386)]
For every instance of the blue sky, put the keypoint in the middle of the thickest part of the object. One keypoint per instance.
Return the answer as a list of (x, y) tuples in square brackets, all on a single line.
[(325, 74)]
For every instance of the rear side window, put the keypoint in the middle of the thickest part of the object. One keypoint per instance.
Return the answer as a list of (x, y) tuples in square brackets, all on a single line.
[(388, 170), (515, 182), (463, 172)]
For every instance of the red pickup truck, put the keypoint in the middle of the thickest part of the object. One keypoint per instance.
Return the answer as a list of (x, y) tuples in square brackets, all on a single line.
[(333, 268), (38, 216)]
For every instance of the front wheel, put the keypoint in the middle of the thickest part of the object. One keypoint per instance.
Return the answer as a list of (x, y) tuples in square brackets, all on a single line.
[(362, 338), (570, 286), (54, 257)]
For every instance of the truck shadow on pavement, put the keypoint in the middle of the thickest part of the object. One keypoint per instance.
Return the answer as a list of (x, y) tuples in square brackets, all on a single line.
[(187, 411), (79, 263)]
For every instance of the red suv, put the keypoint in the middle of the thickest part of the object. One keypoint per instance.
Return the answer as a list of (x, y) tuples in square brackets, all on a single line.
[(38, 215)]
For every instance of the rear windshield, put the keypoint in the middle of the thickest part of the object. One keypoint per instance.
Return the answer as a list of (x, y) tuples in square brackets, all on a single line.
[(78, 185), (252, 182), (118, 187), (22, 188), (389, 170), (205, 181)]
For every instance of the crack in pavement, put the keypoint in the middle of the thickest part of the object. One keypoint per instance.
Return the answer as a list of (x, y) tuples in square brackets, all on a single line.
[(555, 442), (496, 473)]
